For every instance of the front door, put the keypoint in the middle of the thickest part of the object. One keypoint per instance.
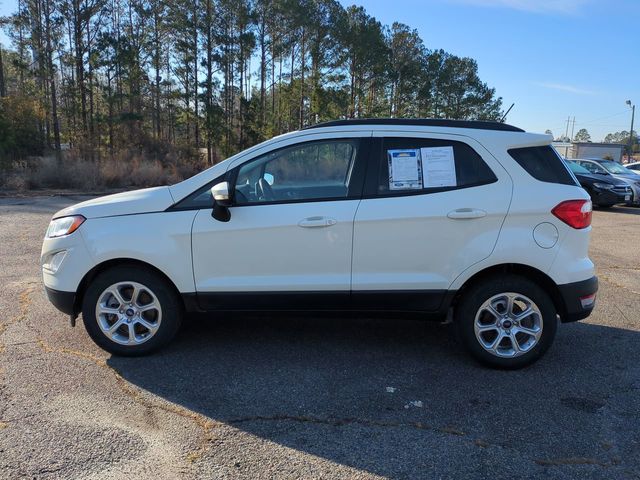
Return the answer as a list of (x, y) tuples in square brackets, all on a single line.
[(289, 240)]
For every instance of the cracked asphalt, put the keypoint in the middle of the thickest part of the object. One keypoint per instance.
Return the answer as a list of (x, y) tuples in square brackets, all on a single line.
[(282, 397)]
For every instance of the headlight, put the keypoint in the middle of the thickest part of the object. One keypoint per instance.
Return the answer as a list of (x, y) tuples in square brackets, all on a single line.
[(64, 226), (603, 186)]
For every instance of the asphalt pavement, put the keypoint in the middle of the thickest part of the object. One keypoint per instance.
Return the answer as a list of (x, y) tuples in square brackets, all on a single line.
[(266, 396)]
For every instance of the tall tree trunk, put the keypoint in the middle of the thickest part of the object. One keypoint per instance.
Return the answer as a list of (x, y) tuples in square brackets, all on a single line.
[(263, 70), (195, 75), (280, 95), (157, 65), (90, 79), (302, 66), (110, 103), (209, 82), (79, 61), (52, 82), (3, 89), (241, 61), (352, 104)]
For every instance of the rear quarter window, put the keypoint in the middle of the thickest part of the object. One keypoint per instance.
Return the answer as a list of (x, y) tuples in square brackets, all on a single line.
[(543, 164)]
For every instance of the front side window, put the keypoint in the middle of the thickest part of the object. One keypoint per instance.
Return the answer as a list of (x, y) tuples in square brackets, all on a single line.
[(575, 168), (421, 165), (594, 167), (309, 171)]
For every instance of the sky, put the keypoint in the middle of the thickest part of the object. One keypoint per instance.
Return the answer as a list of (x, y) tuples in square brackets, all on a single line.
[(553, 58)]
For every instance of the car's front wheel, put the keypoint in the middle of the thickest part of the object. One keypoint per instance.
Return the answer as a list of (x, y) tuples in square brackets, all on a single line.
[(506, 321), (131, 311)]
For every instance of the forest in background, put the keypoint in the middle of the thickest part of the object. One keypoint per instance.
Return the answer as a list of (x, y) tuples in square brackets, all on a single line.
[(138, 92)]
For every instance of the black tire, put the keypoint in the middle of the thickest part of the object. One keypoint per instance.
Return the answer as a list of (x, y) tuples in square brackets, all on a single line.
[(471, 302), (170, 303), (607, 205)]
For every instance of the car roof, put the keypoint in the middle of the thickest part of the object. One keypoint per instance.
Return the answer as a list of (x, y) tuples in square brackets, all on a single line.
[(422, 122)]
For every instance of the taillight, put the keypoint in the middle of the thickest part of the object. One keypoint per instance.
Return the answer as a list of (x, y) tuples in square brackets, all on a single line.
[(575, 213)]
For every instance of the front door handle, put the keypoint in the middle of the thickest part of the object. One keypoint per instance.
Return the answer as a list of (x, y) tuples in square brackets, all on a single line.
[(317, 222), (466, 213)]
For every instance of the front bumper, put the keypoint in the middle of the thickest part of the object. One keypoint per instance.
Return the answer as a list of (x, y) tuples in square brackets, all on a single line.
[(574, 295), (635, 196), (607, 197), (63, 301)]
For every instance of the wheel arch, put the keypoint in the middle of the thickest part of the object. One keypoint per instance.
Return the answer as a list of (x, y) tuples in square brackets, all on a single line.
[(118, 262), (527, 271)]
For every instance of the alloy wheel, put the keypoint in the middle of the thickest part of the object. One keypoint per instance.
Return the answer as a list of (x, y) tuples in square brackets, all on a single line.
[(128, 313), (508, 325)]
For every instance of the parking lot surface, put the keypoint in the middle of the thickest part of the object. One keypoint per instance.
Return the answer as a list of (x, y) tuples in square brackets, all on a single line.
[(272, 397)]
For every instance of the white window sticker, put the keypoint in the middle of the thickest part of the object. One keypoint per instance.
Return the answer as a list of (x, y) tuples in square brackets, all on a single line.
[(438, 167), (405, 169)]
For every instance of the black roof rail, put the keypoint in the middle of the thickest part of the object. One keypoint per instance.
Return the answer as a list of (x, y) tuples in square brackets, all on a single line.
[(423, 122)]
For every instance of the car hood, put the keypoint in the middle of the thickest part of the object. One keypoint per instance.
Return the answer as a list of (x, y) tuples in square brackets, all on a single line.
[(146, 200), (629, 179), (601, 179), (630, 176)]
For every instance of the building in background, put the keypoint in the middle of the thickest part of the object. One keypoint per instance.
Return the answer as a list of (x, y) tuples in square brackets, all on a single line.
[(609, 151), (563, 148)]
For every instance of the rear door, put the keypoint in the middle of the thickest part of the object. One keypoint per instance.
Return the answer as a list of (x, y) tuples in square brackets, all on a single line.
[(433, 206)]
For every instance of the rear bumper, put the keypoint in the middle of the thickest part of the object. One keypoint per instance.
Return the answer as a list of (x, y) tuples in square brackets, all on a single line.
[(576, 299), (63, 301)]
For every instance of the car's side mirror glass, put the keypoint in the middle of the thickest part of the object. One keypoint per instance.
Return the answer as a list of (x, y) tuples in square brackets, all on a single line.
[(269, 178), (221, 202)]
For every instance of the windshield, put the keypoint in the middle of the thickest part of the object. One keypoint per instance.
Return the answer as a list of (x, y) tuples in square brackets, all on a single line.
[(575, 168), (614, 167)]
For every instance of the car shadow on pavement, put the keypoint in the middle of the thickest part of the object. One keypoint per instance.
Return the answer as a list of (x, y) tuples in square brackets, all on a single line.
[(400, 398)]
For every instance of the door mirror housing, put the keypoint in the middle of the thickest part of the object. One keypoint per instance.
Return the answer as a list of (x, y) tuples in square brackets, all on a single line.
[(220, 194), (221, 202)]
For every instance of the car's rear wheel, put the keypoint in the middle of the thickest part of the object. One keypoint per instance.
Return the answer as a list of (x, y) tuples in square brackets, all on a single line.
[(506, 322), (131, 311)]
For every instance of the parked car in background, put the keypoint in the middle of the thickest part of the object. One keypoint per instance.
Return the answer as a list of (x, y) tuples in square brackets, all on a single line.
[(635, 166), (605, 191), (477, 222), (617, 171)]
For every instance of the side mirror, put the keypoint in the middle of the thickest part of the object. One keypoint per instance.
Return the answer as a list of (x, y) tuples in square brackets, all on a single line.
[(220, 194), (221, 202)]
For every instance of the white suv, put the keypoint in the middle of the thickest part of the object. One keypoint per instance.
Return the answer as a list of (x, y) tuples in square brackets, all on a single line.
[(475, 222)]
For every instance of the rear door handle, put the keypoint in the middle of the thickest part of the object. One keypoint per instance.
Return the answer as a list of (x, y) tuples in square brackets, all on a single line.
[(317, 222), (466, 213)]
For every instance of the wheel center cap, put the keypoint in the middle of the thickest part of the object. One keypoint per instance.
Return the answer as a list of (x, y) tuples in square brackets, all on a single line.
[(507, 324), (129, 312)]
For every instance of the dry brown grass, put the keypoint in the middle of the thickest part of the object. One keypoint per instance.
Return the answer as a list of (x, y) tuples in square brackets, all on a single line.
[(127, 170)]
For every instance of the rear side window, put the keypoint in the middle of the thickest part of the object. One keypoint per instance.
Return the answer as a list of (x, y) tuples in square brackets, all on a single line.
[(424, 165), (543, 164)]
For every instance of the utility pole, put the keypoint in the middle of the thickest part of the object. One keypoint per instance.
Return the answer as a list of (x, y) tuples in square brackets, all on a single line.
[(633, 114), (573, 126), (566, 130)]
